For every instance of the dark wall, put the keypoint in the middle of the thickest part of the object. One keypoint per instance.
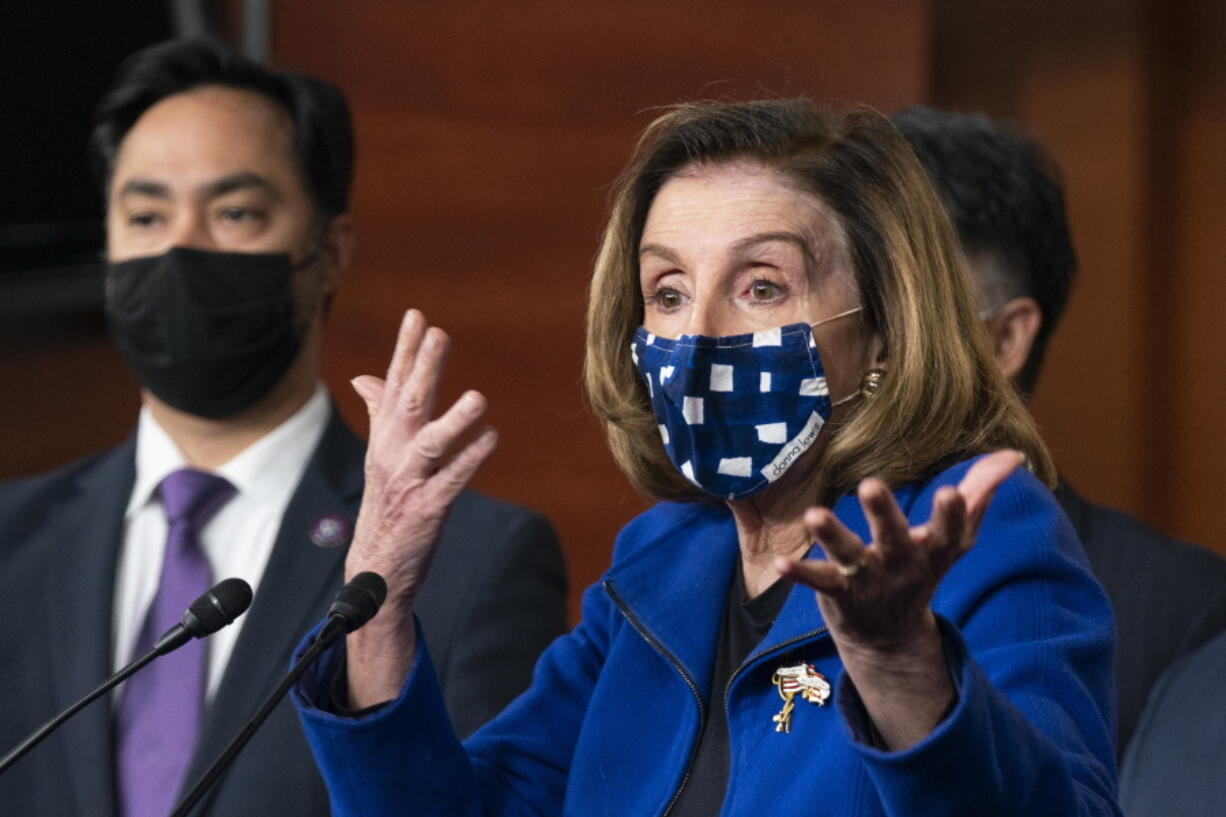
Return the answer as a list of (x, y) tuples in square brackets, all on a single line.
[(64, 391), (56, 60)]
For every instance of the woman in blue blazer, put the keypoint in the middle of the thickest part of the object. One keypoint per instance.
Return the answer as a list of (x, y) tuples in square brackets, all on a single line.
[(783, 347)]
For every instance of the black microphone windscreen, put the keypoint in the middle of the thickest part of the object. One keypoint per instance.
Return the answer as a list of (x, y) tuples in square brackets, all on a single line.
[(359, 600), (226, 601), (373, 584)]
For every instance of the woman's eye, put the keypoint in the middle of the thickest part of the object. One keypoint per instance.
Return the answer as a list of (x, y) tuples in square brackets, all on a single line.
[(763, 290), (666, 298)]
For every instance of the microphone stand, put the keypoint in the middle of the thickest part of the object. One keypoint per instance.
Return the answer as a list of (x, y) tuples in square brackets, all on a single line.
[(240, 740), (47, 728), (224, 602), (356, 603)]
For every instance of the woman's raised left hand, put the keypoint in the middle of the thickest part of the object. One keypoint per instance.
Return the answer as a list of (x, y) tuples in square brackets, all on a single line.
[(875, 597)]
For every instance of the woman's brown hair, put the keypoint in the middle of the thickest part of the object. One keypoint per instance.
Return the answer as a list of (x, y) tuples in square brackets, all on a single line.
[(942, 399)]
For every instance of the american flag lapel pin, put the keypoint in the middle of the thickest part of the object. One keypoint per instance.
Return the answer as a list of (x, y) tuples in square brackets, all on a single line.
[(801, 679)]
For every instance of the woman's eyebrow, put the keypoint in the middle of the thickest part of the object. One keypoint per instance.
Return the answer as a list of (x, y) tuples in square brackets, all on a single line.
[(765, 238), (660, 250), (749, 242)]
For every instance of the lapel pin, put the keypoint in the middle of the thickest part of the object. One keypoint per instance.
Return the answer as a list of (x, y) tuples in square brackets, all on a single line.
[(330, 532), (797, 679)]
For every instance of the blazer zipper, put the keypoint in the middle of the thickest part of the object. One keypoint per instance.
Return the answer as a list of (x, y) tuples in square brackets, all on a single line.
[(783, 645), (655, 643)]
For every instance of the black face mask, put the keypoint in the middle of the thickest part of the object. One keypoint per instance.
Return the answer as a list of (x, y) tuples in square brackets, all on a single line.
[(209, 333)]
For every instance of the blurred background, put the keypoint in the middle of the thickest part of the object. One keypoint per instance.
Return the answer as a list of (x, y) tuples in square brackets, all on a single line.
[(489, 134)]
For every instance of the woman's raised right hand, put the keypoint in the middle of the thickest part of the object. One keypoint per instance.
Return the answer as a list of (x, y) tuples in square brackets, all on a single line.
[(415, 468)]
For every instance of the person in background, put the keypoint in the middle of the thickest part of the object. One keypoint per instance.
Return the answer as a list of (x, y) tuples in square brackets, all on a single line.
[(227, 189), (1004, 195), (1174, 763), (783, 346)]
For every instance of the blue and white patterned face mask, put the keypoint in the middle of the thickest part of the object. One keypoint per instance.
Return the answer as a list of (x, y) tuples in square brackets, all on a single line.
[(736, 412)]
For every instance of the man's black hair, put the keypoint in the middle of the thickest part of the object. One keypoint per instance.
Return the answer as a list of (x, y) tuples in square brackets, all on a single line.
[(1005, 197), (322, 126)]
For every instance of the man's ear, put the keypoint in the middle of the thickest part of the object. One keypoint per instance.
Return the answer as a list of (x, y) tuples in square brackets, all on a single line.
[(1013, 329), (336, 250)]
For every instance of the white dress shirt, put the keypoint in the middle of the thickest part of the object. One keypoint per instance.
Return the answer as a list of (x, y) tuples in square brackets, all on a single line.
[(237, 540)]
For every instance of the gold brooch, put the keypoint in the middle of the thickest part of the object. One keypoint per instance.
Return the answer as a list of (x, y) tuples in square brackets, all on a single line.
[(796, 679)]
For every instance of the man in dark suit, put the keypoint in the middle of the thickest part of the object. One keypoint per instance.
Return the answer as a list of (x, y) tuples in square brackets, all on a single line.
[(227, 189), (1174, 765), (1004, 196)]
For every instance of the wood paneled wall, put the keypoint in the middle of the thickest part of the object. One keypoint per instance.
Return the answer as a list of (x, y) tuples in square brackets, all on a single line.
[(488, 136), (1130, 96)]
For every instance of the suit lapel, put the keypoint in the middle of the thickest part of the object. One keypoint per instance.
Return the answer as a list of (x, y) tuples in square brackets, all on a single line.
[(86, 529), (296, 588)]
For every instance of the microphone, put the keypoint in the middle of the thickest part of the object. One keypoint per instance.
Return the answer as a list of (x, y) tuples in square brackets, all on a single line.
[(221, 605), (355, 604)]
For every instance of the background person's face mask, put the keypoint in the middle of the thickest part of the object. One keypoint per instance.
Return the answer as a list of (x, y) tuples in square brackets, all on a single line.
[(736, 412), (209, 333)]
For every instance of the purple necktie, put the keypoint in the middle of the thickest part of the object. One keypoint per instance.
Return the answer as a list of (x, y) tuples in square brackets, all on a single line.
[(159, 716)]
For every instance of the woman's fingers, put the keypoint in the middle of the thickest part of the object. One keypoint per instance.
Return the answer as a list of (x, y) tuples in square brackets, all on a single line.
[(823, 577), (435, 439), (453, 476), (946, 531), (842, 547), (415, 400), (984, 477), (412, 376), (408, 448), (887, 524), (876, 595), (370, 389), (408, 339)]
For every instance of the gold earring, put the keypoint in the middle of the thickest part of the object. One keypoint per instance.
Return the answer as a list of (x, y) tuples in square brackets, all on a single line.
[(871, 383)]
